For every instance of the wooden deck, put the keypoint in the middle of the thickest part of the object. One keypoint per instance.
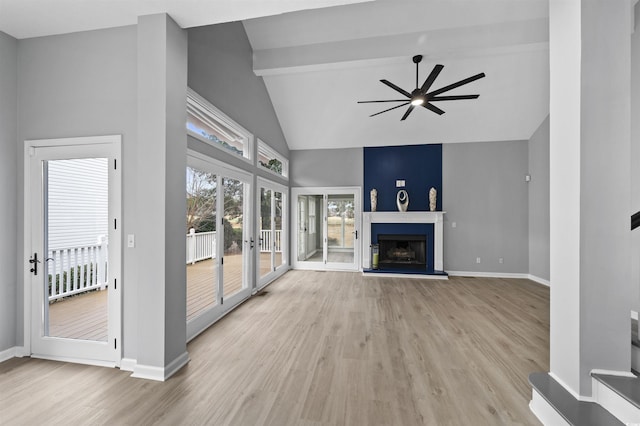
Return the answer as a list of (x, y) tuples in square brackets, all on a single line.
[(85, 316)]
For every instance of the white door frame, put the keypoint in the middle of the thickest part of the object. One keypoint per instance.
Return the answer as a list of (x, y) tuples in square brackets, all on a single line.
[(112, 145), (280, 269), (205, 163), (325, 191)]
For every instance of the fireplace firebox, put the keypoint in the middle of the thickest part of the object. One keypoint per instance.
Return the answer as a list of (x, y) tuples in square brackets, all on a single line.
[(402, 251)]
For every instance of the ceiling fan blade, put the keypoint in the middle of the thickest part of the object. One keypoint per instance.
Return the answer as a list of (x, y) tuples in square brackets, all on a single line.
[(457, 84), (397, 106), (433, 108), (453, 98), (432, 77), (391, 100), (406, 114), (396, 88)]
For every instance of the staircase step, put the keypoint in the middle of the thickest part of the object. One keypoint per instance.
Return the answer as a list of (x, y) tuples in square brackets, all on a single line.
[(574, 412), (619, 394)]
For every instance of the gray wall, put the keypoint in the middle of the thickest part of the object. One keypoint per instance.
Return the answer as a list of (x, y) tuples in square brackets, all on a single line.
[(327, 167), (8, 177), (77, 85), (539, 202), (485, 194), (221, 70)]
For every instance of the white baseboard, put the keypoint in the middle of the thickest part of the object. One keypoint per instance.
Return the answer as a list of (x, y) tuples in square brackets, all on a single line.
[(487, 274), (128, 364), (540, 280), (14, 352), (160, 374), (544, 411)]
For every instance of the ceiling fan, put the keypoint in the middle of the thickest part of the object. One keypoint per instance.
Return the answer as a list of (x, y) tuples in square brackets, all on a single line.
[(420, 96)]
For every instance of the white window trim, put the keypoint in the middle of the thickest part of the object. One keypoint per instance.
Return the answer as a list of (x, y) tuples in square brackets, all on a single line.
[(203, 105), (262, 145)]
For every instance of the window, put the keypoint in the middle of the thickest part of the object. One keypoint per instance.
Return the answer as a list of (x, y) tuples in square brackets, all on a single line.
[(270, 159), (210, 125)]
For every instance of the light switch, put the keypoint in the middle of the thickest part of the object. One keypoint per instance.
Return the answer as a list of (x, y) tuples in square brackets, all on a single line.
[(400, 183), (131, 240), (453, 224)]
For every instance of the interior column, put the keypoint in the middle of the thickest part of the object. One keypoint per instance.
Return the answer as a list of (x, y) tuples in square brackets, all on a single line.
[(590, 189), (160, 173)]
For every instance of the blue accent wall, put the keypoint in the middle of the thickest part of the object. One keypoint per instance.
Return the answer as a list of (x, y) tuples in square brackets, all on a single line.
[(406, 228), (420, 166)]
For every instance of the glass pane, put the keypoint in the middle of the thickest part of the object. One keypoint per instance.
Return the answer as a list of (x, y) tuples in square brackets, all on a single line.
[(310, 228), (205, 124), (277, 238), (76, 243), (266, 238), (233, 236), (202, 274), (340, 228)]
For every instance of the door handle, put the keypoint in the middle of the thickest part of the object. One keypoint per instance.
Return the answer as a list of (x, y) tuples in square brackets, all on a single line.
[(34, 261), (356, 232)]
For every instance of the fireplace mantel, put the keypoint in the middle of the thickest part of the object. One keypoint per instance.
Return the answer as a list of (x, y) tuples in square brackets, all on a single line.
[(437, 218)]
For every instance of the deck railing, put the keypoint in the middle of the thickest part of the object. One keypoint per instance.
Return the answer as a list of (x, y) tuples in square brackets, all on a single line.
[(202, 245), (75, 270)]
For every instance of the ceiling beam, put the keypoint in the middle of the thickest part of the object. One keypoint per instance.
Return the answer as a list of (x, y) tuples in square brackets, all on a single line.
[(485, 40)]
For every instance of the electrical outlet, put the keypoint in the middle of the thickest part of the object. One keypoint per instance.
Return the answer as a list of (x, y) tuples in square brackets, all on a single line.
[(477, 260), (501, 260), (453, 224)]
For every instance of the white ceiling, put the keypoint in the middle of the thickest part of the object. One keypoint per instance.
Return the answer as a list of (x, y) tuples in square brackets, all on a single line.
[(35, 18), (318, 61), (318, 64)]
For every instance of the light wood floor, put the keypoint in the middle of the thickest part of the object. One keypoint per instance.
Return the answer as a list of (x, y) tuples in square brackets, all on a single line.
[(322, 348)]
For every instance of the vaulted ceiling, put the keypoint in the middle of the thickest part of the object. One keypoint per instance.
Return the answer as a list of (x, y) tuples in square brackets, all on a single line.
[(317, 64), (318, 61)]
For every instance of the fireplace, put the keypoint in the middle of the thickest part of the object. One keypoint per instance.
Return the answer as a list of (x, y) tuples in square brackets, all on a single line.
[(402, 251)]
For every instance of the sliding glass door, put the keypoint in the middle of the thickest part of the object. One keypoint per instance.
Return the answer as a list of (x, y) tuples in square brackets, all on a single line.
[(327, 224)]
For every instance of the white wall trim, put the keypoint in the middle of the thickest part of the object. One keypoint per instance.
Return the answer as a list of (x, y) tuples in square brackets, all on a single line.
[(613, 373), (539, 280), (488, 274), (570, 390), (14, 352), (160, 374), (128, 364), (544, 411)]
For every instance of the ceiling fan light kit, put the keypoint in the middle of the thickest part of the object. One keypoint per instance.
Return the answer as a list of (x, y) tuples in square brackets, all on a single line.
[(420, 96)]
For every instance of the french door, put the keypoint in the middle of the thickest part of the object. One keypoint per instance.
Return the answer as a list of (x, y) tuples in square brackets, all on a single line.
[(219, 242), (327, 222), (72, 249), (271, 238)]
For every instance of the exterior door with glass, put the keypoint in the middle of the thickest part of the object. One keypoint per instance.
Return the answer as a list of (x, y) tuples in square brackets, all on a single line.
[(271, 238), (72, 249), (219, 244), (327, 222)]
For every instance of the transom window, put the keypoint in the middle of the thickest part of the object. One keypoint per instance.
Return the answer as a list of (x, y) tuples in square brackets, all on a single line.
[(271, 160), (210, 125)]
